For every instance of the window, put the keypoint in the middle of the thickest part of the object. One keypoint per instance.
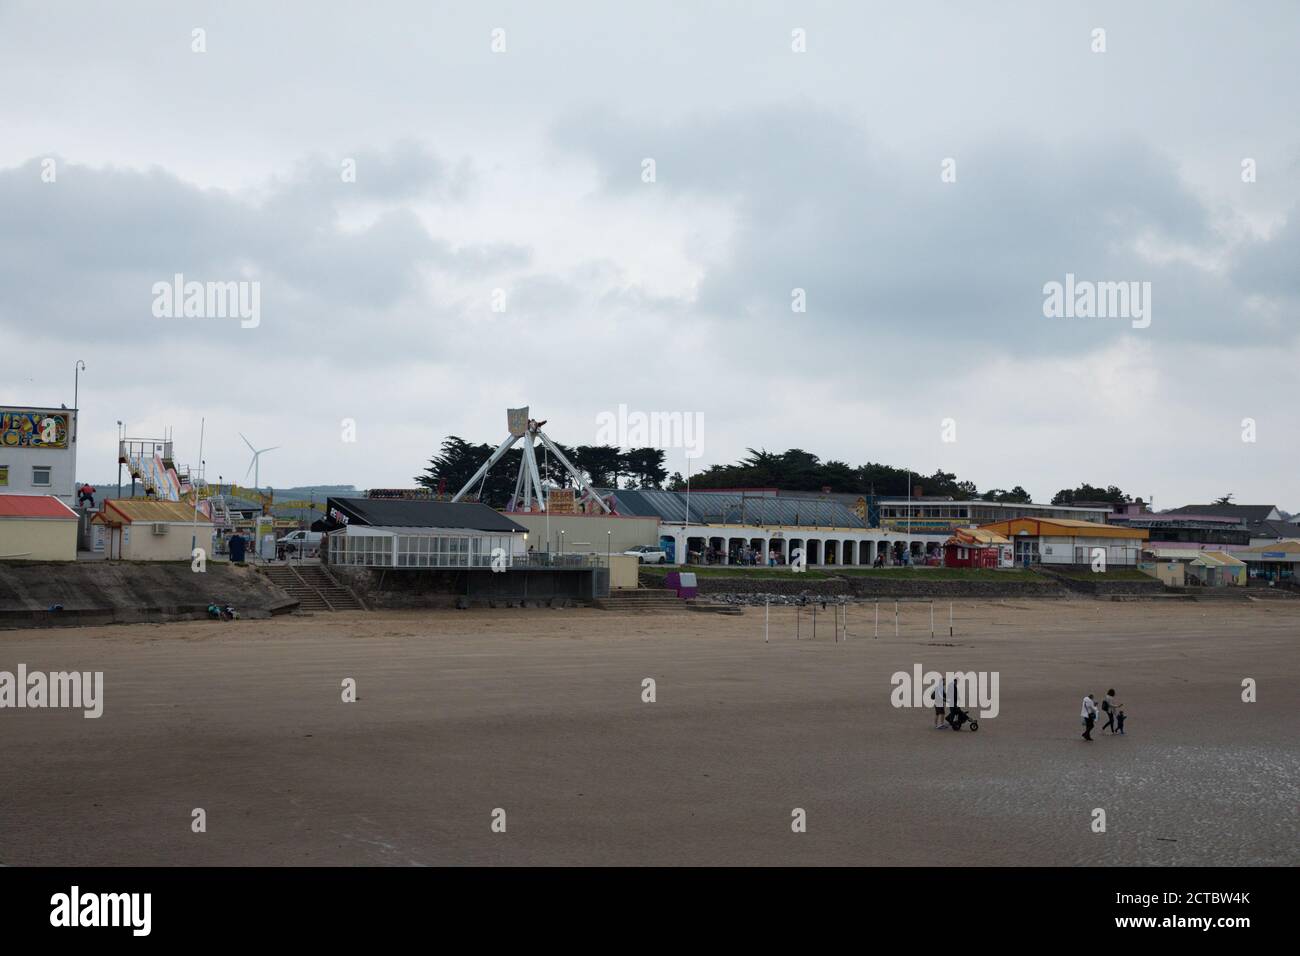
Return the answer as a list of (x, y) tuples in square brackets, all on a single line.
[(4, 475), (40, 476)]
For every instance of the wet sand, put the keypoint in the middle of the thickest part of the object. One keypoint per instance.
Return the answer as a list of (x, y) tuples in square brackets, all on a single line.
[(540, 713)]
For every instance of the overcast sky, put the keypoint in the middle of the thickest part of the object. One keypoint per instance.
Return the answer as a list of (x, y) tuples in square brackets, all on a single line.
[(523, 171)]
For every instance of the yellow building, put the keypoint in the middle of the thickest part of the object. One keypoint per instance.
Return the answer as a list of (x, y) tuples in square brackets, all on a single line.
[(37, 528), (1068, 541), (143, 529)]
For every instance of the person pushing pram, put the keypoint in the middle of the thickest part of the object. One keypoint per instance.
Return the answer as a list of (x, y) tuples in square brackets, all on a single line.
[(956, 716)]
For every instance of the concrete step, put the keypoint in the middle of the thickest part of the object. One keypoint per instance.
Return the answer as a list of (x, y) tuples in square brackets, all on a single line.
[(644, 599), (313, 588)]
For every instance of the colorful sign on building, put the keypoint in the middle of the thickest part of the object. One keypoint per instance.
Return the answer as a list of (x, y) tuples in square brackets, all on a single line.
[(32, 428), (561, 501)]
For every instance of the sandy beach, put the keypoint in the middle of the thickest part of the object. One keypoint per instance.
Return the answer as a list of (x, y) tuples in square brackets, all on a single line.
[(540, 713)]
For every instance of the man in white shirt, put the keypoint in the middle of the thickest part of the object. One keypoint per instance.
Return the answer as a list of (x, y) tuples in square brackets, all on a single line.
[(939, 700), (1088, 716)]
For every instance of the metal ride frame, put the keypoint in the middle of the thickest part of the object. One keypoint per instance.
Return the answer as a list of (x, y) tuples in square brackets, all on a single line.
[(529, 481)]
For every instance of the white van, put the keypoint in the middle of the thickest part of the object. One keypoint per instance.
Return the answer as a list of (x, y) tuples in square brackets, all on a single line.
[(308, 542)]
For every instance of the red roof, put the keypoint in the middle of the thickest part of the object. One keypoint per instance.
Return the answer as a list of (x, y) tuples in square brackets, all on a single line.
[(34, 506)]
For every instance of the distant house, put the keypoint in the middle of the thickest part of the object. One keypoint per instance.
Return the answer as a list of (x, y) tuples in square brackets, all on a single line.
[(1279, 561), (1260, 521), (1218, 569), (37, 528), (141, 529), (1194, 532), (1063, 541), (1276, 530), (1205, 566)]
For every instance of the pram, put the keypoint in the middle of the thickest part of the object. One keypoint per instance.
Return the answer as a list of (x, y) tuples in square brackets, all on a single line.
[(221, 612), (956, 717)]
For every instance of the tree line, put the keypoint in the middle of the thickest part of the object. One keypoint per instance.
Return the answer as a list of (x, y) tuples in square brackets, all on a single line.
[(793, 470), (603, 465)]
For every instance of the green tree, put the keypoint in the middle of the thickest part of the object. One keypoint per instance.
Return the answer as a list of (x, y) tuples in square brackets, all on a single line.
[(1087, 492), (456, 464), (603, 464), (645, 466)]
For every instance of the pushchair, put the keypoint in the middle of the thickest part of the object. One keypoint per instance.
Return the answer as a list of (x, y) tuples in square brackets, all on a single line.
[(956, 717)]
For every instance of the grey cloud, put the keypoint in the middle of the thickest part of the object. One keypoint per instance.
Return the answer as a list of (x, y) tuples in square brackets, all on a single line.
[(80, 255), (887, 251)]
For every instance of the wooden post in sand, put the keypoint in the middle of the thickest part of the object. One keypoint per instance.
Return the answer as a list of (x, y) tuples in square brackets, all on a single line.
[(767, 616)]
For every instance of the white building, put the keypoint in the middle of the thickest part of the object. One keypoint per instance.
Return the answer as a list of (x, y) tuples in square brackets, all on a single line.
[(145, 529), (714, 525), (38, 452)]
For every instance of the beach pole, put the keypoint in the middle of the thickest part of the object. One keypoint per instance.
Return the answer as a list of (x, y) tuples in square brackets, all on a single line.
[(814, 637), (950, 619), (895, 619), (877, 632), (796, 622), (932, 620), (767, 616)]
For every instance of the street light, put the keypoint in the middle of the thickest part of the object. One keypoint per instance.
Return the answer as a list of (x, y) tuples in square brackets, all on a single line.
[(562, 533), (609, 541), (119, 459), (76, 384)]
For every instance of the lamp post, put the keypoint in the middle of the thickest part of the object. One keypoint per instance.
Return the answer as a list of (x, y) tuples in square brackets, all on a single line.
[(609, 541), (76, 385), (562, 533), (119, 458)]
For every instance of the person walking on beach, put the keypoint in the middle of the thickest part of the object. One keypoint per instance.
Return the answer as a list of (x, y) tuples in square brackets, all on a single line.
[(1119, 717), (1108, 708), (1088, 716), (938, 706)]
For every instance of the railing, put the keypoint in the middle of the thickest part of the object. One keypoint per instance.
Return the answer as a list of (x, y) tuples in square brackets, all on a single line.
[(552, 559), (143, 457)]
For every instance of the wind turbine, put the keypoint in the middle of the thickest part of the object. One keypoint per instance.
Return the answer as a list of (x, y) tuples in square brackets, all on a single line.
[(253, 465)]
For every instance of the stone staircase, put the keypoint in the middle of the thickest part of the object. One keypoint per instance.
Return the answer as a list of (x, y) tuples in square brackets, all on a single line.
[(312, 587), (640, 599)]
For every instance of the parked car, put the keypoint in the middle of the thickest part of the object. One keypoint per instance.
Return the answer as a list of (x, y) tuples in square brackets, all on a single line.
[(647, 554), (308, 542)]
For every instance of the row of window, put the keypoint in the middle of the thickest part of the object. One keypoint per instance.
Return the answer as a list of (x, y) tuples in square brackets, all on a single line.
[(983, 514), (40, 476), (416, 551), (951, 511)]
